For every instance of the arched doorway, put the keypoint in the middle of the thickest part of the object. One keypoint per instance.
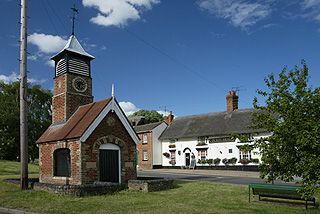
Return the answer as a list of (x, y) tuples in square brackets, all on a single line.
[(187, 155), (110, 163)]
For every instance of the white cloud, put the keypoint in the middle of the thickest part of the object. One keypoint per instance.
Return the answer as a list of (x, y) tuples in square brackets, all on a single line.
[(118, 12), (164, 113), (312, 9), (33, 57), (47, 43), (50, 63), (128, 107), (14, 77), (310, 3), (240, 13)]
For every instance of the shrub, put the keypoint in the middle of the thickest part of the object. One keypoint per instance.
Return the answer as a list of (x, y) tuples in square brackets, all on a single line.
[(244, 161), (217, 161), (225, 161), (172, 162), (166, 154), (254, 160), (202, 161), (210, 161), (232, 161)]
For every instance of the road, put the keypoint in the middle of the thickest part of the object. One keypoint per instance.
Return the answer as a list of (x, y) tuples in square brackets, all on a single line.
[(198, 175)]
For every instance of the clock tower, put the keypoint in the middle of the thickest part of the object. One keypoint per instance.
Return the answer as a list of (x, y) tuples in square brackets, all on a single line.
[(72, 81)]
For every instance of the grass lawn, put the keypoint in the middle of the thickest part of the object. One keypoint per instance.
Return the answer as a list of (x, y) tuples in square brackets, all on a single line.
[(187, 197)]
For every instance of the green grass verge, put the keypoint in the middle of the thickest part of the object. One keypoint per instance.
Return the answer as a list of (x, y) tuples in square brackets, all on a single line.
[(187, 197)]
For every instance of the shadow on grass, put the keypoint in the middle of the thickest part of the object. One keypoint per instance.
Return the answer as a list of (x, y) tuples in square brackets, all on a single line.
[(290, 203), (178, 184)]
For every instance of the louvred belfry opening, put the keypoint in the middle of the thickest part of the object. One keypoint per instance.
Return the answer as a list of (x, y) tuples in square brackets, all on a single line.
[(72, 82)]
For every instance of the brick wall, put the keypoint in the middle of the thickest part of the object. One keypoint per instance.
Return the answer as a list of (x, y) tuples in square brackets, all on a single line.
[(66, 99), (46, 162), (85, 156), (59, 99), (232, 101), (110, 130), (145, 164), (75, 98)]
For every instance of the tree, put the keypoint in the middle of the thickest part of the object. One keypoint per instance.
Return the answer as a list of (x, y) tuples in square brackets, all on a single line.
[(151, 116), (291, 112), (39, 118)]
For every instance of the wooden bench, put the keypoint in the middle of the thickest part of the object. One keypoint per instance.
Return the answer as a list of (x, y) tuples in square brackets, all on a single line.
[(279, 191)]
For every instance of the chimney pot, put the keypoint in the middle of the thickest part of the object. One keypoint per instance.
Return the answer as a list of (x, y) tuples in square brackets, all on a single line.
[(232, 101), (169, 118)]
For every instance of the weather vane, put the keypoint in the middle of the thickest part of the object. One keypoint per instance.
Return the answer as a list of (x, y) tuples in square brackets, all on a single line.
[(75, 11)]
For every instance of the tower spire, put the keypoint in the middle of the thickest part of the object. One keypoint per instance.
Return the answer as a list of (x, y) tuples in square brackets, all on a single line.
[(75, 11)]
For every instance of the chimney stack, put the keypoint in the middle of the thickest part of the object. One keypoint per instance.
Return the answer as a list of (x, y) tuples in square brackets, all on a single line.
[(169, 118), (232, 101)]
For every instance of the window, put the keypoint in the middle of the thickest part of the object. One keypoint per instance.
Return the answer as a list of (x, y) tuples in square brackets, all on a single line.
[(62, 166), (202, 153), (173, 155), (230, 150), (145, 155), (245, 155), (145, 138)]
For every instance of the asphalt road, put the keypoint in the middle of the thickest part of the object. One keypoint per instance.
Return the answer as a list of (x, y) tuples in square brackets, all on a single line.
[(192, 176)]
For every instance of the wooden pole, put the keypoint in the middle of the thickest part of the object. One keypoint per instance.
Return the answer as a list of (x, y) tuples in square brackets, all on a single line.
[(23, 98)]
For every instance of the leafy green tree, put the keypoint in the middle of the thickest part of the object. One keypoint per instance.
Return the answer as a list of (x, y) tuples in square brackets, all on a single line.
[(291, 112), (151, 116), (39, 118)]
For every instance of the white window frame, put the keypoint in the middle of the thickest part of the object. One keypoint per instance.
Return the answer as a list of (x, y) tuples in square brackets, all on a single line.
[(245, 155), (173, 155), (145, 155), (145, 138), (202, 154)]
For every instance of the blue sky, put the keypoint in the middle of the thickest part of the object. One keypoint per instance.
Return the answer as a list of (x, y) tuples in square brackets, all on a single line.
[(181, 54)]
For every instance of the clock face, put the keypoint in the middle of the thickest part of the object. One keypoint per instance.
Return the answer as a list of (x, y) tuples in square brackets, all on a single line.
[(79, 84)]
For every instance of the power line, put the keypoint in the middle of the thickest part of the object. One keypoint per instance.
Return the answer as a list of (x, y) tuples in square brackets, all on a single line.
[(50, 19), (176, 61), (58, 16)]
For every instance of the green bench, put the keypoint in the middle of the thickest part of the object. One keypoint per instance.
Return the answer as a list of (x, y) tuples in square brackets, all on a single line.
[(278, 191)]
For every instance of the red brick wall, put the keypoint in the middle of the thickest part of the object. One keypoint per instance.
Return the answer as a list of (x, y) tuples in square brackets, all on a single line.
[(85, 156), (110, 130), (66, 99), (145, 164), (232, 101), (75, 98), (59, 99), (46, 162)]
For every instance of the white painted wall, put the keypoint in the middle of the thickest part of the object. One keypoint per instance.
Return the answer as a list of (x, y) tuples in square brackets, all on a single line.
[(156, 144), (215, 150)]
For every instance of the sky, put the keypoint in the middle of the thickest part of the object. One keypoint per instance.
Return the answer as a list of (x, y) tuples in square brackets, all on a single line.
[(168, 55)]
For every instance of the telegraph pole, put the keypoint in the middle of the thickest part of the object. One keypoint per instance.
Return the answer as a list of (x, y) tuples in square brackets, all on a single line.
[(23, 98)]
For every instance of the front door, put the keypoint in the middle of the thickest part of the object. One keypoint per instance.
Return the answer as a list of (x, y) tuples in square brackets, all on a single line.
[(187, 159), (109, 165)]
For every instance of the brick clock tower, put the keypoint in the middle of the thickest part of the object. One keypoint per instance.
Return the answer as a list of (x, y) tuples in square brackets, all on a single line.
[(72, 81)]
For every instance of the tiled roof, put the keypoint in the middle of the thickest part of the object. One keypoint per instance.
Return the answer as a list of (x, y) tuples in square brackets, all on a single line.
[(147, 127), (76, 125), (74, 46), (211, 124)]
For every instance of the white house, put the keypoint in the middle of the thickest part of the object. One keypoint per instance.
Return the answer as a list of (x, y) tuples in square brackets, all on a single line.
[(210, 136)]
